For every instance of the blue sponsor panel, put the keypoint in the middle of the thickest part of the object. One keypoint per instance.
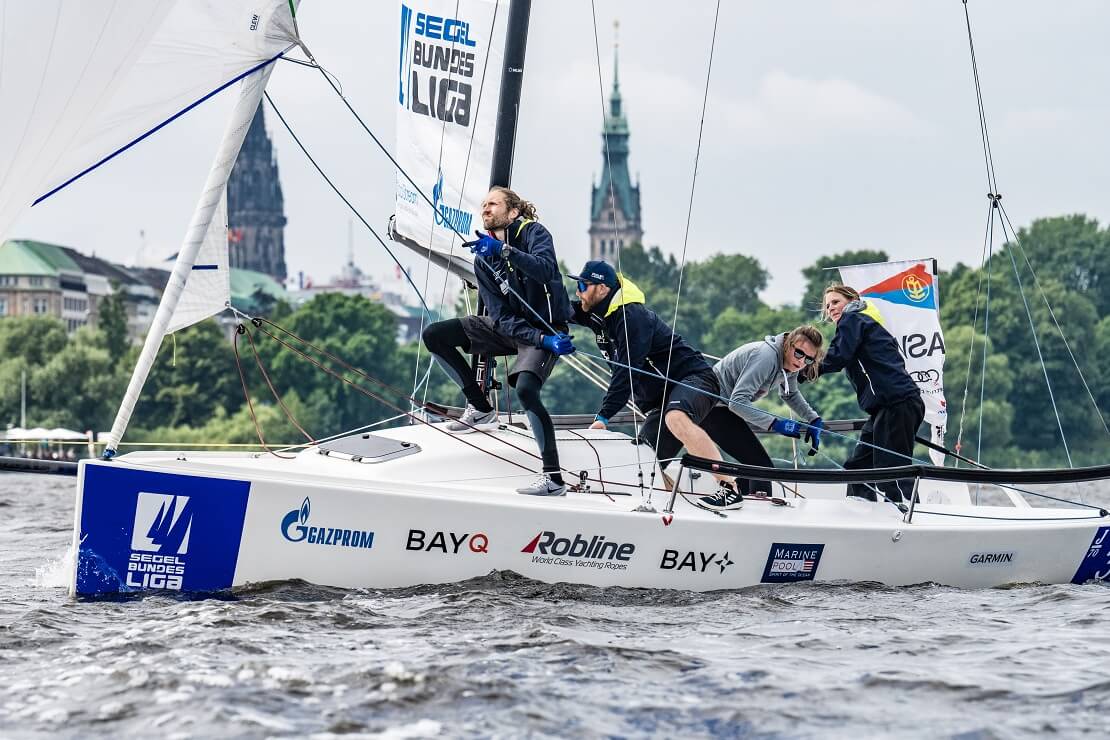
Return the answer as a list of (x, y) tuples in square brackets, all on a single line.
[(790, 562), (145, 530), (1095, 565)]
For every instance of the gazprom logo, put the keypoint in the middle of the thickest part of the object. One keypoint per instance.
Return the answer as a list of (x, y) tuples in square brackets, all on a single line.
[(163, 522), (295, 528), (454, 218)]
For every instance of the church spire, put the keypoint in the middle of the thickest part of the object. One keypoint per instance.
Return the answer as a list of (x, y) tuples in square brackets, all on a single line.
[(615, 201)]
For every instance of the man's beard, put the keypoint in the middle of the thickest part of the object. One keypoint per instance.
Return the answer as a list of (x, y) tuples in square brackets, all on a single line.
[(493, 225)]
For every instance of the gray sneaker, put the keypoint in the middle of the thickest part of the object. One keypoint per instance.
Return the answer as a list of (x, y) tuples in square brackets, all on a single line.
[(543, 486), (472, 417)]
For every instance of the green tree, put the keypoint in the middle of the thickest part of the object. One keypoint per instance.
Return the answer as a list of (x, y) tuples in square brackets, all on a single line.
[(112, 322), (361, 333), (819, 275), (193, 375)]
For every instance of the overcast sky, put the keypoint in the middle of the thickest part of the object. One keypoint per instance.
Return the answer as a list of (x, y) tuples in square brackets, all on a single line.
[(830, 125)]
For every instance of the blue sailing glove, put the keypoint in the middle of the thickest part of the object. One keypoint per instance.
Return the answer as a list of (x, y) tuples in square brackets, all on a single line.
[(559, 344), (813, 433), (787, 428), (485, 245)]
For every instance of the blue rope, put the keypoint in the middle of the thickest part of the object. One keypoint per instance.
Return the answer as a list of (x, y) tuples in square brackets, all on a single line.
[(161, 125)]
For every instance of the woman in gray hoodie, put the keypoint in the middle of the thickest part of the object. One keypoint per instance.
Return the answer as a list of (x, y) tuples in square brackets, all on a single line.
[(749, 373)]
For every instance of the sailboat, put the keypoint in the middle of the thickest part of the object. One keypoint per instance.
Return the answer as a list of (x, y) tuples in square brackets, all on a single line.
[(413, 503)]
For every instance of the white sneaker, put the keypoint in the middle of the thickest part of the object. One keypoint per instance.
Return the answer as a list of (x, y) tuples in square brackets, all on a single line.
[(472, 417), (543, 486)]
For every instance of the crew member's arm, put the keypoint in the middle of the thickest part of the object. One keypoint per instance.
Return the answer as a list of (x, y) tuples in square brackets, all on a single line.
[(538, 262), (623, 355), (508, 323), (741, 400), (845, 343), (796, 401)]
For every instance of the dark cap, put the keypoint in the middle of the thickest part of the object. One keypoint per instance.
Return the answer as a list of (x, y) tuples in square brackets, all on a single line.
[(598, 272)]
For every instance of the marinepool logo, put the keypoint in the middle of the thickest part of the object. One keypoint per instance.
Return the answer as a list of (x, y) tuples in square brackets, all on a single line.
[(788, 562), (582, 550), (159, 538), (295, 528), (457, 219)]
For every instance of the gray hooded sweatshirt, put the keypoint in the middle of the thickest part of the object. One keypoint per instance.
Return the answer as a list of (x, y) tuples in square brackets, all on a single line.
[(750, 371)]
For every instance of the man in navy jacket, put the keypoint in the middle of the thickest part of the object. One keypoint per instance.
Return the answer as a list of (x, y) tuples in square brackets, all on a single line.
[(632, 336), (520, 285)]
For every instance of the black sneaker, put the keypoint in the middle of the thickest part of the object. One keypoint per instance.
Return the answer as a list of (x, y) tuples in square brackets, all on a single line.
[(726, 497)]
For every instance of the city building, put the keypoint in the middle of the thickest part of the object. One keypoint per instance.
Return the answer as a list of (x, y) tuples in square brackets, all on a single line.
[(615, 201), (39, 279), (255, 206)]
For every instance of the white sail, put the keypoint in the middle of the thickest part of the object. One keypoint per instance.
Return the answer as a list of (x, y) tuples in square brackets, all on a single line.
[(208, 283), (202, 47), (907, 294), (59, 61), (449, 73)]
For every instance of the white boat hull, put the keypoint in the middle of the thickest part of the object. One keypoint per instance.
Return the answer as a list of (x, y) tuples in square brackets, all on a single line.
[(212, 521)]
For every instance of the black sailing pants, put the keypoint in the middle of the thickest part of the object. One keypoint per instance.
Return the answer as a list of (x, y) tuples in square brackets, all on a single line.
[(444, 339), (891, 428), (737, 440)]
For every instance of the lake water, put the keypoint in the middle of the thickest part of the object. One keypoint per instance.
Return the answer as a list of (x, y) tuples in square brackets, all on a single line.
[(503, 656)]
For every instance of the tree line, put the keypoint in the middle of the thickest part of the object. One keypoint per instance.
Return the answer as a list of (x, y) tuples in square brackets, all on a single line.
[(1055, 275)]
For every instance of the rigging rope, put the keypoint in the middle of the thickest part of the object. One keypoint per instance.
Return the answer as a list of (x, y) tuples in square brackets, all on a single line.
[(996, 199), (689, 213), (613, 219)]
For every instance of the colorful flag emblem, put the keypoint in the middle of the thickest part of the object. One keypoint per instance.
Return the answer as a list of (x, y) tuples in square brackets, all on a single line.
[(912, 287)]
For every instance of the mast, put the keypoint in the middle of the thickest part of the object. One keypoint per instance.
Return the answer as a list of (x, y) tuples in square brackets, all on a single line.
[(508, 104), (504, 142), (250, 96)]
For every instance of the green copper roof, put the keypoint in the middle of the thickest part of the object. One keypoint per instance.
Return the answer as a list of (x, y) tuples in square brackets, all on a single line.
[(245, 283), (18, 257)]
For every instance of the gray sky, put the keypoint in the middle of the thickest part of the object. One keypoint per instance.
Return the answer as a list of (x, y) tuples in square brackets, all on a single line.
[(831, 125)]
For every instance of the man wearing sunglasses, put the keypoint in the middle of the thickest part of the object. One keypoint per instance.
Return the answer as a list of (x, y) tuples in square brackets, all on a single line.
[(631, 335), (747, 374)]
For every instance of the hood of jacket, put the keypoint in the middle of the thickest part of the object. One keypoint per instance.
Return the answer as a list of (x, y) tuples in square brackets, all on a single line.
[(867, 308), (775, 340), (627, 294)]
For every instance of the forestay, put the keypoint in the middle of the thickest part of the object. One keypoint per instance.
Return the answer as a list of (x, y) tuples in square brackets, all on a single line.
[(906, 294), (449, 78)]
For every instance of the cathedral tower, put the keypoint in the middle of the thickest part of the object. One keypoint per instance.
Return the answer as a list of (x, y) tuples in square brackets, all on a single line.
[(615, 201), (255, 207)]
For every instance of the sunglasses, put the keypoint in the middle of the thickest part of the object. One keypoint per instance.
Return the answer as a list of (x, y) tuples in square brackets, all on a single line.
[(799, 355), (583, 286)]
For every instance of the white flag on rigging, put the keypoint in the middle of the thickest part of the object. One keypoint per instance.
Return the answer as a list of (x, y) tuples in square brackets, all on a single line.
[(449, 80), (907, 296)]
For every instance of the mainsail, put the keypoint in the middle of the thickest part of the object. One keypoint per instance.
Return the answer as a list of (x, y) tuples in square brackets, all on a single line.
[(449, 73), (907, 295)]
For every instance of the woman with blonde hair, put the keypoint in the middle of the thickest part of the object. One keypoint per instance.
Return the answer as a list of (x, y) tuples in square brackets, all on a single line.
[(869, 355), (747, 374)]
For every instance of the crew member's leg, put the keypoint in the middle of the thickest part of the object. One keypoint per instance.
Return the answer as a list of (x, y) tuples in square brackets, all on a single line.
[(895, 429), (443, 340), (736, 439), (527, 375), (863, 457), (687, 405)]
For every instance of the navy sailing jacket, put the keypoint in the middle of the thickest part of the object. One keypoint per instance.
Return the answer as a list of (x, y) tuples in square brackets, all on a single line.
[(649, 343), (869, 355), (529, 266)]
